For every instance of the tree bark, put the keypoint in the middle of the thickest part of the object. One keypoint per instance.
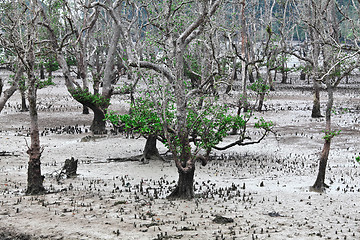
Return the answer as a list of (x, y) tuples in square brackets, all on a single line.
[(42, 73), (150, 151), (1, 86), (98, 123), (316, 111), (244, 55), (261, 101), (24, 108), (35, 179), (320, 180), (329, 60), (185, 185), (314, 36), (233, 78), (284, 76)]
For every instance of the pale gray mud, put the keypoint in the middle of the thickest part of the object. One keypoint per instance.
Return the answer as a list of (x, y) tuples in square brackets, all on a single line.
[(263, 188)]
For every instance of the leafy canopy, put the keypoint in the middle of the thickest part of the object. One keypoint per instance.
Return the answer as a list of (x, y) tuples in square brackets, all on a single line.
[(207, 126)]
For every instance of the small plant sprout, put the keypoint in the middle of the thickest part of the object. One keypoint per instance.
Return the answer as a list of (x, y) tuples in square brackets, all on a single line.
[(330, 134)]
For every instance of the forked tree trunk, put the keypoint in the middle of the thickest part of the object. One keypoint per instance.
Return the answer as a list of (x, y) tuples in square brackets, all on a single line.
[(185, 185)]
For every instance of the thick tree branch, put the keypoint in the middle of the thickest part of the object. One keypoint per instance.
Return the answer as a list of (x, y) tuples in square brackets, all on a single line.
[(156, 67)]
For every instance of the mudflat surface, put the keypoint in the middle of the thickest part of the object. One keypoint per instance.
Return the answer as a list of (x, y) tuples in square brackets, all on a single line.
[(264, 188)]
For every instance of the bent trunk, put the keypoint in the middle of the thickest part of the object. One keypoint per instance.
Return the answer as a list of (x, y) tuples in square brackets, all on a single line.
[(150, 151), (320, 180), (10, 91), (185, 185), (98, 123)]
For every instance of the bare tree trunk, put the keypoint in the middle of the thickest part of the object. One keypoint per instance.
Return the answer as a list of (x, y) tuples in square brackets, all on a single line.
[(244, 41), (284, 75), (98, 123), (314, 36), (251, 74), (271, 80), (42, 73), (1, 86), (261, 102), (320, 180), (35, 179), (24, 108), (150, 151), (185, 185)]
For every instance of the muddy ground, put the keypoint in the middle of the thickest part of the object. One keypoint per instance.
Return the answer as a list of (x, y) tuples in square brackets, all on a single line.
[(264, 188)]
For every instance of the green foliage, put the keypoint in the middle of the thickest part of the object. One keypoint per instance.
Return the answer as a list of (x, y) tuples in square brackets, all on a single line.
[(339, 111), (126, 88), (71, 61), (207, 126), (51, 64), (330, 134), (259, 86), (262, 124), (142, 119), (42, 84), (21, 83), (357, 159), (84, 96), (303, 68), (213, 125)]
